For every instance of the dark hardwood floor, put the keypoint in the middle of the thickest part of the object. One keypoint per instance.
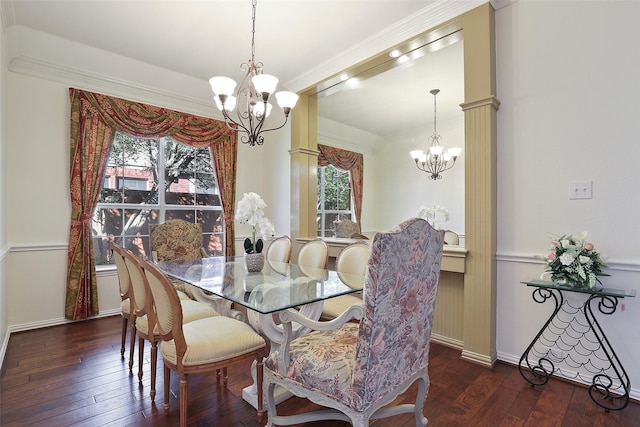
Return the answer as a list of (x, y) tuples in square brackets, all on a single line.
[(73, 375)]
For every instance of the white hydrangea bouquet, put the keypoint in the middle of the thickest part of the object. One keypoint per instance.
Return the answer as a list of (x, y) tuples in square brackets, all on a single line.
[(436, 215), (572, 261), (250, 210)]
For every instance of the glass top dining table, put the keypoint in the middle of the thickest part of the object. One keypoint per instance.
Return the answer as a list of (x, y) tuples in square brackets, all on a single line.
[(277, 287)]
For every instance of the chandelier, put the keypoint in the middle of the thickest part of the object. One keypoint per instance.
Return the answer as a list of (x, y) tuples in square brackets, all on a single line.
[(251, 97), (435, 161)]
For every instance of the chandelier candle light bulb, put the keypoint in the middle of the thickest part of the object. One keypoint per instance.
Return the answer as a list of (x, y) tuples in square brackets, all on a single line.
[(253, 97)]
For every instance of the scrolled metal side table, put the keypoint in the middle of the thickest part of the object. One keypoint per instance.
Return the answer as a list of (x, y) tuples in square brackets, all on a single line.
[(573, 344)]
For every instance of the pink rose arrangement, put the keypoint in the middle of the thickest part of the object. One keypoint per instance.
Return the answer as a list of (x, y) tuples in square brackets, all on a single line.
[(573, 261)]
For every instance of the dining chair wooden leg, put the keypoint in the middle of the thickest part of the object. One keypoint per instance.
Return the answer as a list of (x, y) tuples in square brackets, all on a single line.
[(132, 343), (125, 322), (167, 384), (184, 398), (140, 357), (154, 366)]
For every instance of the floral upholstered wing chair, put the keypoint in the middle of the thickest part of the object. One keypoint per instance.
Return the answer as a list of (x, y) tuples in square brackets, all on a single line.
[(181, 241), (345, 228), (359, 369)]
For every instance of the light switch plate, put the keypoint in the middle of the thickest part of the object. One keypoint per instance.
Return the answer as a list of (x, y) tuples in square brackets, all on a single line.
[(580, 190)]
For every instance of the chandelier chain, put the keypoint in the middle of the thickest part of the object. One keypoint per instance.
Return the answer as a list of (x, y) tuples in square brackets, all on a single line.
[(254, 4), (251, 96)]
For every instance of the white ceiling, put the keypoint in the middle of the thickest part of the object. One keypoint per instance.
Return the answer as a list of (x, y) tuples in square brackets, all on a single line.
[(293, 38)]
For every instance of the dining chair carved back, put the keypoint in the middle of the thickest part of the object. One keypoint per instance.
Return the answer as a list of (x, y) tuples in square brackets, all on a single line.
[(451, 238), (313, 258), (125, 289), (279, 250), (207, 344), (177, 240), (279, 254), (351, 266), (360, 368)]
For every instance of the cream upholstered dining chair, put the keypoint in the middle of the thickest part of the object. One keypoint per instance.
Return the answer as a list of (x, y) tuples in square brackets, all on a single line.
[(351, 265), (143, 325), (313, 258), (278, 254), (124, 285), (359, 369), (177, 240), (451, 238), (202, 345), (279, 250), (128, 306)]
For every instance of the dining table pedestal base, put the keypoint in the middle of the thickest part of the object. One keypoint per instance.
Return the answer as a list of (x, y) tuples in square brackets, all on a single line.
[(265, 325)]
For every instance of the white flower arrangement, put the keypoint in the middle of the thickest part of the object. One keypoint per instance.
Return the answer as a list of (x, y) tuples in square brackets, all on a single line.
[(250, 210), (436, 215), (572, 261)]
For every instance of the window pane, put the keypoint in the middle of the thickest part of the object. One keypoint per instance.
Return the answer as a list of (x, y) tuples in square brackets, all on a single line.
[(330, 218), (140, 245), (183, 214), (101, 251), (206, 189), (211, 222), (337, 192), (107, 221), (138, 221), (178, 194), (213, 244), (188, 171)]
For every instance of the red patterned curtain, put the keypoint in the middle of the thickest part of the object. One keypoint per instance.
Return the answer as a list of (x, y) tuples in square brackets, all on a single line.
[(349, 161), (94, 120)]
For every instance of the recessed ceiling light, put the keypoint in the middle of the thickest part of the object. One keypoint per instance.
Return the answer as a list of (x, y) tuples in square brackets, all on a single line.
[(395, 53)]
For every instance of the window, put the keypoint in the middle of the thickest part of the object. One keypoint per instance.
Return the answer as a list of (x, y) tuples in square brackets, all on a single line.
[(334, 199), (150, 181)]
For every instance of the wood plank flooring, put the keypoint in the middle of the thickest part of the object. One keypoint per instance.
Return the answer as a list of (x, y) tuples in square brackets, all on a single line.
[(72, 375)]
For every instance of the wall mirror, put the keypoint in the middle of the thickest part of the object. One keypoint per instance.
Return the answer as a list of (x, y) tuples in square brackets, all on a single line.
[(384, 109)]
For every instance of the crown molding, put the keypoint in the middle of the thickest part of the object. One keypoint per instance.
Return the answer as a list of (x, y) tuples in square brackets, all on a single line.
[(431, 16), (87, 80)]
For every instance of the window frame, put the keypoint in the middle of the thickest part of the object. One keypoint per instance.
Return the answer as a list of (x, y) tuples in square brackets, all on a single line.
[(322, 212), (160, 206)]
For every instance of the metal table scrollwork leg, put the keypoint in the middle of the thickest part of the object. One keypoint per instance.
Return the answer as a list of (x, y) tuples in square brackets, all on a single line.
[(605, 390), (539, 372), (573, 344)]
